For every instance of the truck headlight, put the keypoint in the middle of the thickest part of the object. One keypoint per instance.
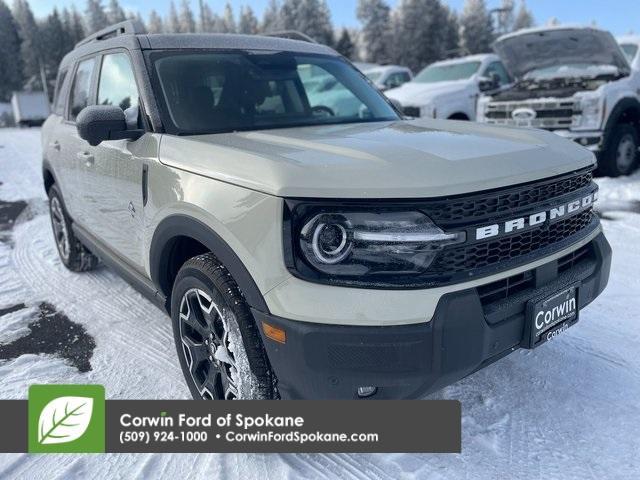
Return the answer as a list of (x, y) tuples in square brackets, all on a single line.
[(428, 111), (590, 113), (356, 245)]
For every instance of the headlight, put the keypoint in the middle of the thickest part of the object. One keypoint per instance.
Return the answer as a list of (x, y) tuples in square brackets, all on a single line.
[(590, 113), (428, 110), (374, 246)]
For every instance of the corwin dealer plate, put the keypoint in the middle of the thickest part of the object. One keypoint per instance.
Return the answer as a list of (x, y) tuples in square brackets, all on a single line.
[(551, 316)]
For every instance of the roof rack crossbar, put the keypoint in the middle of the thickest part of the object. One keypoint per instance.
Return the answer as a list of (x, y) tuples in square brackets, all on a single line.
[(128, 27), (291, 35)]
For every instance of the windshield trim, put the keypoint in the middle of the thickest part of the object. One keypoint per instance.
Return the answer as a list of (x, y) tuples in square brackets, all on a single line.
[(169, 126)]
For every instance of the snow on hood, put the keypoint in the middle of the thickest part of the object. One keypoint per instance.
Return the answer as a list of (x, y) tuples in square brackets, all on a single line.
[(416, 93), (544, 48)]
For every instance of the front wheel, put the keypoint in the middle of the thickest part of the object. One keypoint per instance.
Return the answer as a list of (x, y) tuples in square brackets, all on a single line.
[(218, 343), (621, 152)]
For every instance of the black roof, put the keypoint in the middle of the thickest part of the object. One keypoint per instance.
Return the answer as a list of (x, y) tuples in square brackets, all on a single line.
[(126, 34)]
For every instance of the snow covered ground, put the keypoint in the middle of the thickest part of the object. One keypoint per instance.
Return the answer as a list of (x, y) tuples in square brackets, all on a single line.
[(570, 409)]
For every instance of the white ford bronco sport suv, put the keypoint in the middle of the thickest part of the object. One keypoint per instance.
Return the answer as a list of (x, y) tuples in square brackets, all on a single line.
[(302, 253), (576, 82)]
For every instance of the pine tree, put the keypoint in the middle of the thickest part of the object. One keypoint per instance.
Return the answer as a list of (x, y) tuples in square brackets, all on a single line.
[(311, 17), (505, 17), (345, 45), (208, 19), (524, 17), (55, 41), (115, 13), (248, 23), (155, 22), (187, 20), (420, 33), (452, 35), (78, 30), (272, 18), (31, 44), (174, 20), (96, 17), (376, 32), (476, 27), (11, 71), (228, 20)]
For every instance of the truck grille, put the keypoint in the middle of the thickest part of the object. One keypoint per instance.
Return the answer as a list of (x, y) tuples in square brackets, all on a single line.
[(549, 114), (477, 256), (474, 208)]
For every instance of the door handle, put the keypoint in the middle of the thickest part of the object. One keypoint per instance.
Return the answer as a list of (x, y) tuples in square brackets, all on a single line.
[(86, 157), (55, 145)]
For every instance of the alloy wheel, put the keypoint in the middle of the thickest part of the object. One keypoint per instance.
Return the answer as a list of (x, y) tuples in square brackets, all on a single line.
[(60, 232), (207, 343)]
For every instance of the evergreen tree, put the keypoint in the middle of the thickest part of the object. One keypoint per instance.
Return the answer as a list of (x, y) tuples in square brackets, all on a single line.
[(115, 13), (31, 44), (174, 20), (476, 27), (96, 17), (272, 18), (452, 35), (11, 71), (524, 17), (345, 45), (248, 22), (506, 17), (209, 21), (77, 29), (420, 33), (228, 20), (155, 22), (311, 17), (376, 32), (56, 46), (187, 20)]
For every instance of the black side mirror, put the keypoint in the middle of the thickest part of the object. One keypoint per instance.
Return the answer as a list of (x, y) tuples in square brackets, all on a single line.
[(98, 123), (486, 83)]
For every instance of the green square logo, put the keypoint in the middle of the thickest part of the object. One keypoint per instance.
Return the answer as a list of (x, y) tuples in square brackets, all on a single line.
[(66, 419)]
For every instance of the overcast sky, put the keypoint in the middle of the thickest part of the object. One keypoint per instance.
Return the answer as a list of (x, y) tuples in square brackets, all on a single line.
[(618, 16)]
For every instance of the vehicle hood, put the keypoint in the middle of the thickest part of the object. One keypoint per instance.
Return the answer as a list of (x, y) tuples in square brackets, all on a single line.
[(530, 50), (415, 93), (401, 159)]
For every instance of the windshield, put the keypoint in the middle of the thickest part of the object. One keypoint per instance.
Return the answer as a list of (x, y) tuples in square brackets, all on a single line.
[(216, 92), (629, 50), (571, 71), (373, 76), (446, 73)]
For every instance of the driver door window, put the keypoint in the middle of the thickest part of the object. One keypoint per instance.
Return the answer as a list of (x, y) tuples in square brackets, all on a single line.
[(497, 70)]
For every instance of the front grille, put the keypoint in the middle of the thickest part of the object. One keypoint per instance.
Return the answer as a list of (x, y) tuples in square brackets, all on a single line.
[(550, 114), (477, 256), (411, 111), (504, 202)]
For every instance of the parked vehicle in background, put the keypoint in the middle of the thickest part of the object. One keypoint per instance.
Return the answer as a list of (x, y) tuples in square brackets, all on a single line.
[(389, 76), (30, 108), (576, 82), (450, 89), (630, 45)]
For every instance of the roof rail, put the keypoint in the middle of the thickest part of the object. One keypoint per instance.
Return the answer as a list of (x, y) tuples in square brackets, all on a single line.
[(128, 27), (291, 35)]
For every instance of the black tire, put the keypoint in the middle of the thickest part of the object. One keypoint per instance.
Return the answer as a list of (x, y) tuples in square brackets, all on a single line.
[(73, 254), (215, 334), (620, 155)]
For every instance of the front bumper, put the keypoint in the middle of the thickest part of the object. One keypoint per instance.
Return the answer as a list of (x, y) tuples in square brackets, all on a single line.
[(467, 332)]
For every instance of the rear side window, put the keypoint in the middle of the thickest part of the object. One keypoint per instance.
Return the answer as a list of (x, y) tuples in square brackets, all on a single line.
[(59, 95), (81, 87), (117, 84)]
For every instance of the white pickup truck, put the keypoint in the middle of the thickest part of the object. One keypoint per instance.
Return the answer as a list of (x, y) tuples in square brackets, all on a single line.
[(449, 89), (576, 82)]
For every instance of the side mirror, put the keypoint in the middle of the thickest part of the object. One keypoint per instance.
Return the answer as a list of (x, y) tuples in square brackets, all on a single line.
[(98, 123), (487, 83)]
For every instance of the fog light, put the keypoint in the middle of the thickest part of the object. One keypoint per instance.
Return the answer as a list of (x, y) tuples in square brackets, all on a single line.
[(367, 391)]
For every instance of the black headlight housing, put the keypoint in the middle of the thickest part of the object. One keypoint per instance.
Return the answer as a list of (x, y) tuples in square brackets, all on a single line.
[(362, 244)]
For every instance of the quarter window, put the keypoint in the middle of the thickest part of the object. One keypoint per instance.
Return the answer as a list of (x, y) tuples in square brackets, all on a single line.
[(59, 96), (81, 87)]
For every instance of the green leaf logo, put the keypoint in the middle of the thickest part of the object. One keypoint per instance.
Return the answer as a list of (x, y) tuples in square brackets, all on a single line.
[(64, 419)]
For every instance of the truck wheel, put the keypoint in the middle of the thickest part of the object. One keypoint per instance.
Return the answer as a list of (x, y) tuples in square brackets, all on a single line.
[(73, 254), (621, 152), (218, 342)]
